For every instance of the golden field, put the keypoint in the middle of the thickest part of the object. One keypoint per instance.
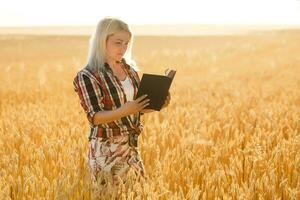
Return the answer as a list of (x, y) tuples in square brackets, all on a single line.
[(231, 131)]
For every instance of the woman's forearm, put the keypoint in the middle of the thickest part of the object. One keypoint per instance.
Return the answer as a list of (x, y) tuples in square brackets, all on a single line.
[(102, 117), (128, 108)]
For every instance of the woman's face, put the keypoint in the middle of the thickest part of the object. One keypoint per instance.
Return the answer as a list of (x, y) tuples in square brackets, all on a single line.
[(116, 45)]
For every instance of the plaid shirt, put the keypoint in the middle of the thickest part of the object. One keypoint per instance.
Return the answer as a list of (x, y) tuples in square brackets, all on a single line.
[(104, 91)]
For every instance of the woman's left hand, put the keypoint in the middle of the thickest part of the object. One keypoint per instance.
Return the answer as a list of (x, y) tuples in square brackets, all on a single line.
[(147, 110), (167, 101)]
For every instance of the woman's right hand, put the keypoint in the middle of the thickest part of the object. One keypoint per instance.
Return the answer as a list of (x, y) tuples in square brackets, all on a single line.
[(132, 107)]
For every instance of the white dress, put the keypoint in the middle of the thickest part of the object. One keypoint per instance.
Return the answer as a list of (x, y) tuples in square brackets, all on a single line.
[(129, 91)]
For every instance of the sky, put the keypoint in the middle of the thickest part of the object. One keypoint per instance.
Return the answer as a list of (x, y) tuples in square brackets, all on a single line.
[(142, 12)]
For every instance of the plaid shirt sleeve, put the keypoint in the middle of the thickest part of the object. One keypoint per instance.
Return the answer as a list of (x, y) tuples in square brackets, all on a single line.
[(90, 95)]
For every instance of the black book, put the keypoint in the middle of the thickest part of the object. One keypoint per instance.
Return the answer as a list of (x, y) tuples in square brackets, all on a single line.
[(156, 87)]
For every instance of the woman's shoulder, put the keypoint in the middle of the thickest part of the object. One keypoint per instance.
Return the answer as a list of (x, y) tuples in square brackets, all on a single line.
[(82, 72), (85, 72), (90, 72)]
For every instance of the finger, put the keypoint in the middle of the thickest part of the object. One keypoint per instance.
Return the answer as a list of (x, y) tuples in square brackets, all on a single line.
[(144, 105), (169, 97), (147, 110), (166, 103), (141, 98), (167, 100), (144, 101)]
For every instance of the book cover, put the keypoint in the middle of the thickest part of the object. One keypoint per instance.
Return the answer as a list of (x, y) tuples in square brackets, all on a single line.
[(156, 87)]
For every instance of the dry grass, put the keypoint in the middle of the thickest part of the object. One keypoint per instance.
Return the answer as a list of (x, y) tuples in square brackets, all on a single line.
[(230, 132)]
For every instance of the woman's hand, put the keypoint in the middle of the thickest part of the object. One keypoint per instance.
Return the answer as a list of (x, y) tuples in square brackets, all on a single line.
[(132, 107), (167, 101), (147, 110)]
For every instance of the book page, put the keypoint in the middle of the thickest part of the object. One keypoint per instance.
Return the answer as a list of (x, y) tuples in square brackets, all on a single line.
[(170, 73)]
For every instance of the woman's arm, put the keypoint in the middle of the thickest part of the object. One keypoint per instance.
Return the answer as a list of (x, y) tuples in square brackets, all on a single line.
[(130, 107)]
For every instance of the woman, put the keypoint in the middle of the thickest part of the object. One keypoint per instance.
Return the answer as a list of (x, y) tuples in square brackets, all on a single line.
[(107, 88)]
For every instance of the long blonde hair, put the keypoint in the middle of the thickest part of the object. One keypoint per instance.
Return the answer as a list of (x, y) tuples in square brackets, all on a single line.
[(97, 48)]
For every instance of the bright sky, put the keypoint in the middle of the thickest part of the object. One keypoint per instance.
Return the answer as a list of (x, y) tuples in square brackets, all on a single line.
[(88, 12)]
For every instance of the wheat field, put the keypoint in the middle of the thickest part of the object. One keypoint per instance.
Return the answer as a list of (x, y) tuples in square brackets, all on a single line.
[(231, 131)]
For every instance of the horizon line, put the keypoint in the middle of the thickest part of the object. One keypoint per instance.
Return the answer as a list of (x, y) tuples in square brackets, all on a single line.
[(155, 24), (150, 29)]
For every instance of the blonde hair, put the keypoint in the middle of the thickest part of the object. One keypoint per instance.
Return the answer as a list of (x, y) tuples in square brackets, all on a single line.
[(97, 48)]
